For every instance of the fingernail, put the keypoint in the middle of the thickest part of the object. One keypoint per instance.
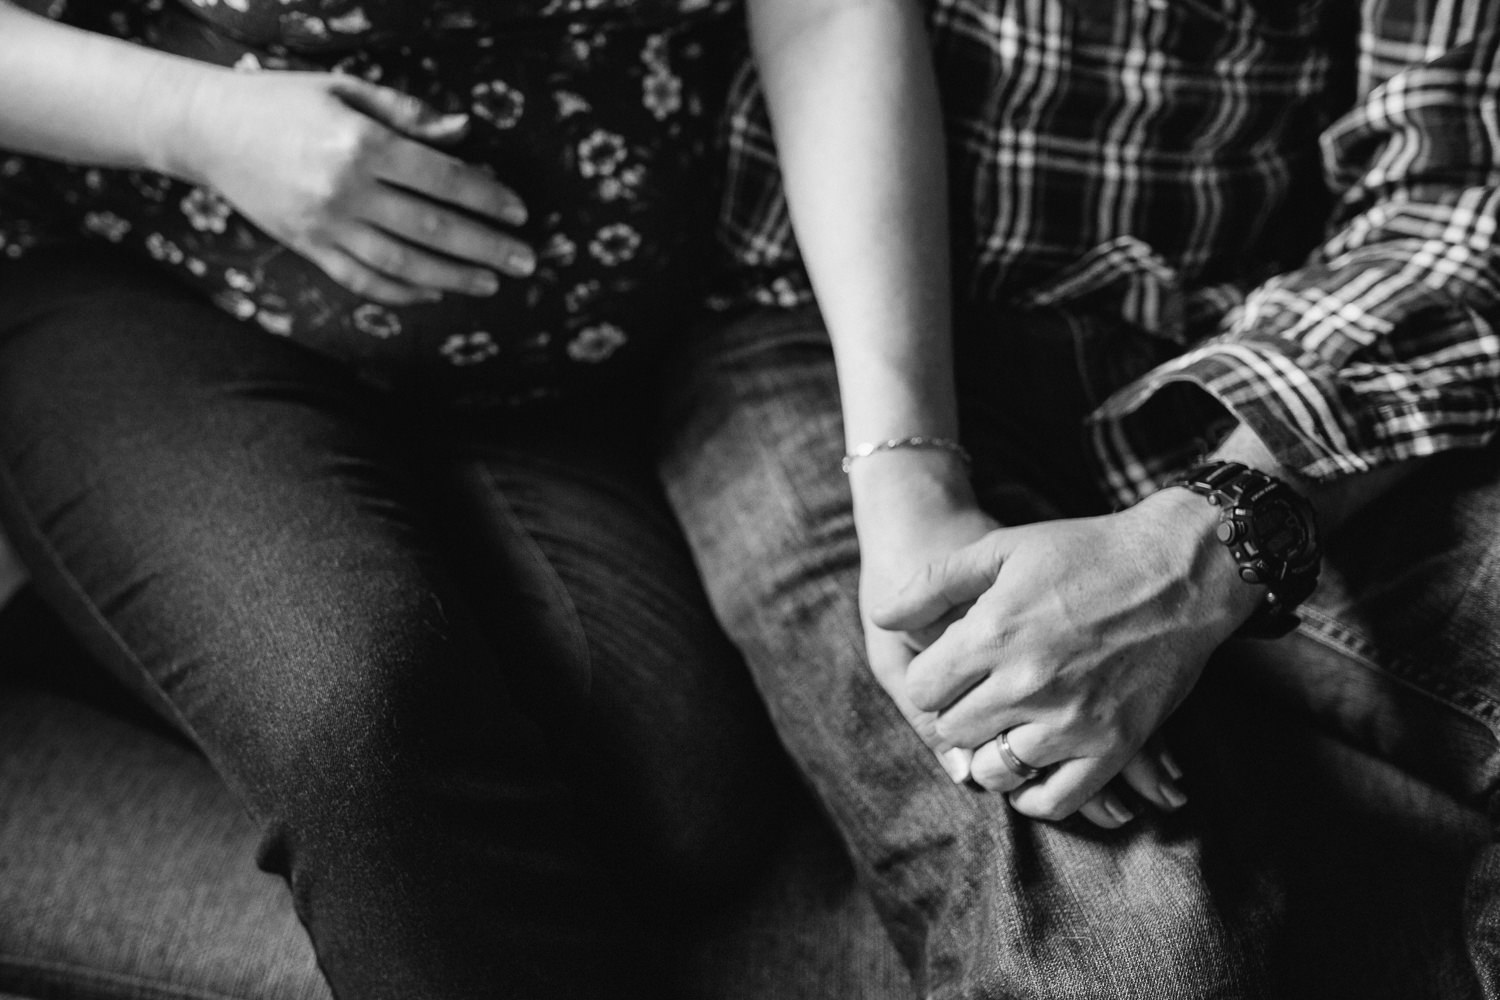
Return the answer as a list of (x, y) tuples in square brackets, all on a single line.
[(1170, 763), (521, 264), (1172, 794), (956, 763), (1117, 809), (486, 284), (514, 213)]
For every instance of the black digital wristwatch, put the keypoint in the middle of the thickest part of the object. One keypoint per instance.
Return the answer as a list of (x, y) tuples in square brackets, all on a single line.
[(1272, 532)]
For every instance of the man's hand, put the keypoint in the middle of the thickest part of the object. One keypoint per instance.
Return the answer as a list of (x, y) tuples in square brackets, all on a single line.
[(347, 173), (1081, 637)]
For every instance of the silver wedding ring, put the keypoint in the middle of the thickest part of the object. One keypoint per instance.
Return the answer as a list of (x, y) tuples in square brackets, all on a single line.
[(1015, 764)]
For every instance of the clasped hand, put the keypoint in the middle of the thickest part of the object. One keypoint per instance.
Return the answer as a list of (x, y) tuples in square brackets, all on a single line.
[(1077, 639)]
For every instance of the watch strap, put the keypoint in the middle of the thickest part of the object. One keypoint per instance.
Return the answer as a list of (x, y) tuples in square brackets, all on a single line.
[(1290, 570)]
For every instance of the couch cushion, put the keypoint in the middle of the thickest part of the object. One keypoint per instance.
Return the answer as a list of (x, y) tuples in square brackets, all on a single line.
[(126, 869)]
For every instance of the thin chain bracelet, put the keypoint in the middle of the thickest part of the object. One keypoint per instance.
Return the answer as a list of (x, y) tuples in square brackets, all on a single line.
[(869, 448)]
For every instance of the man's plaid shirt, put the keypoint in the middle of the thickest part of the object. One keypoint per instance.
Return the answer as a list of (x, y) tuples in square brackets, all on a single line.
[(1297, 199)]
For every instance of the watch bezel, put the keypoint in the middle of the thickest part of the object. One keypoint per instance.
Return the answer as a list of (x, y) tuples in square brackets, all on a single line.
[(1288, 570)]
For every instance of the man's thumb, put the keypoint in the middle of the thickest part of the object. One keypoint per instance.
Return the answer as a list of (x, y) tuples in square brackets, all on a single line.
[(955, 581)]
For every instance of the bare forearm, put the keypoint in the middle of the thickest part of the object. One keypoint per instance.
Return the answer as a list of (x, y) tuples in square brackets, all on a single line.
[(858, 128), (86, 98)]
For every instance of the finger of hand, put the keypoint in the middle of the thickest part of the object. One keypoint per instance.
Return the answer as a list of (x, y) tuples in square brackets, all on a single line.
[(454, 234), (889, 658), (1106, 810), (367, 282), (958, 762), (402, 112), (919, 639), (443, 130), (989, 770), (959, 662), (396, 259), (1060, 792), (951, 582), (978, 701), (1148, 773), (450, 181)]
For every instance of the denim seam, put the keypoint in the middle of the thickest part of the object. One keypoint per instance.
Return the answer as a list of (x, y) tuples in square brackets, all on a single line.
[(76, 975), (578, 634), (1334, 634)]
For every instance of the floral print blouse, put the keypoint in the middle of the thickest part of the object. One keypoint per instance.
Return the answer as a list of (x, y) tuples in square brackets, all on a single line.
[(594, 111)]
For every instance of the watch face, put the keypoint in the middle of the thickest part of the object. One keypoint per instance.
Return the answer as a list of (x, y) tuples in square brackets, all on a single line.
[(1281, 530)]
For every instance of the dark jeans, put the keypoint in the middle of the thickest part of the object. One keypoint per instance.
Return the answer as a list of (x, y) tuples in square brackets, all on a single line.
[(1400, 655), (459, 669)]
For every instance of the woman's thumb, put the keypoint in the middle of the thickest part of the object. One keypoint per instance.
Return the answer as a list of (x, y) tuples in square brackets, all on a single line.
[(411, 116)]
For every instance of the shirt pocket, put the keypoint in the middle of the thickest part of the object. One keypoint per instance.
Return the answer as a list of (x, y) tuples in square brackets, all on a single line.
[(1203, 32)]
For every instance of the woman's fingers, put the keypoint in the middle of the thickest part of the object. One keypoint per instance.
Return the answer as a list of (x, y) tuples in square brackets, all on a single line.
[(1043, 786), (1064, 788), (1154, 776), (367, 282), (1106, 810), (424, 223), (448, 180), (412, 265), (346, 173), (402, 112), (992, 771)]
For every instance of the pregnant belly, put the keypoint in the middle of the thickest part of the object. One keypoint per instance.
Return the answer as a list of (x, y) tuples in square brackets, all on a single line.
[(601, 130)]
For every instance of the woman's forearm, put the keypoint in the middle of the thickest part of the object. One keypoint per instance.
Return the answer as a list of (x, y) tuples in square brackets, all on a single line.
[(86, 98), (855, 112)]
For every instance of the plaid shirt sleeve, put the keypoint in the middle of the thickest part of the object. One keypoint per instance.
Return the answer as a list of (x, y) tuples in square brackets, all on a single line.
[(761, 265), (1383, 347)]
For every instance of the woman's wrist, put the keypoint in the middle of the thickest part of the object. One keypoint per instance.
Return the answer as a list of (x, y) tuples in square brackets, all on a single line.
[(176, 133), (909, 483)]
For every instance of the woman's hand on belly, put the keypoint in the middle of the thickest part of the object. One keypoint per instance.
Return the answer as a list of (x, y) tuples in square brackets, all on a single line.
[(349, 174)]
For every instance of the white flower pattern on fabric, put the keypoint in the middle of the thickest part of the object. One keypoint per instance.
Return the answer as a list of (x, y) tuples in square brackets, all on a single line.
[(272, 322), (464, 349), (662, 94), (206, 210), (300, 25), (351, 23), (377, 321), (498, 103), (237, 304), (600, 154), (106, 224), (580, 296), (615, 244), (570, 104), (163, 249), (596, 343), (559, 250)]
